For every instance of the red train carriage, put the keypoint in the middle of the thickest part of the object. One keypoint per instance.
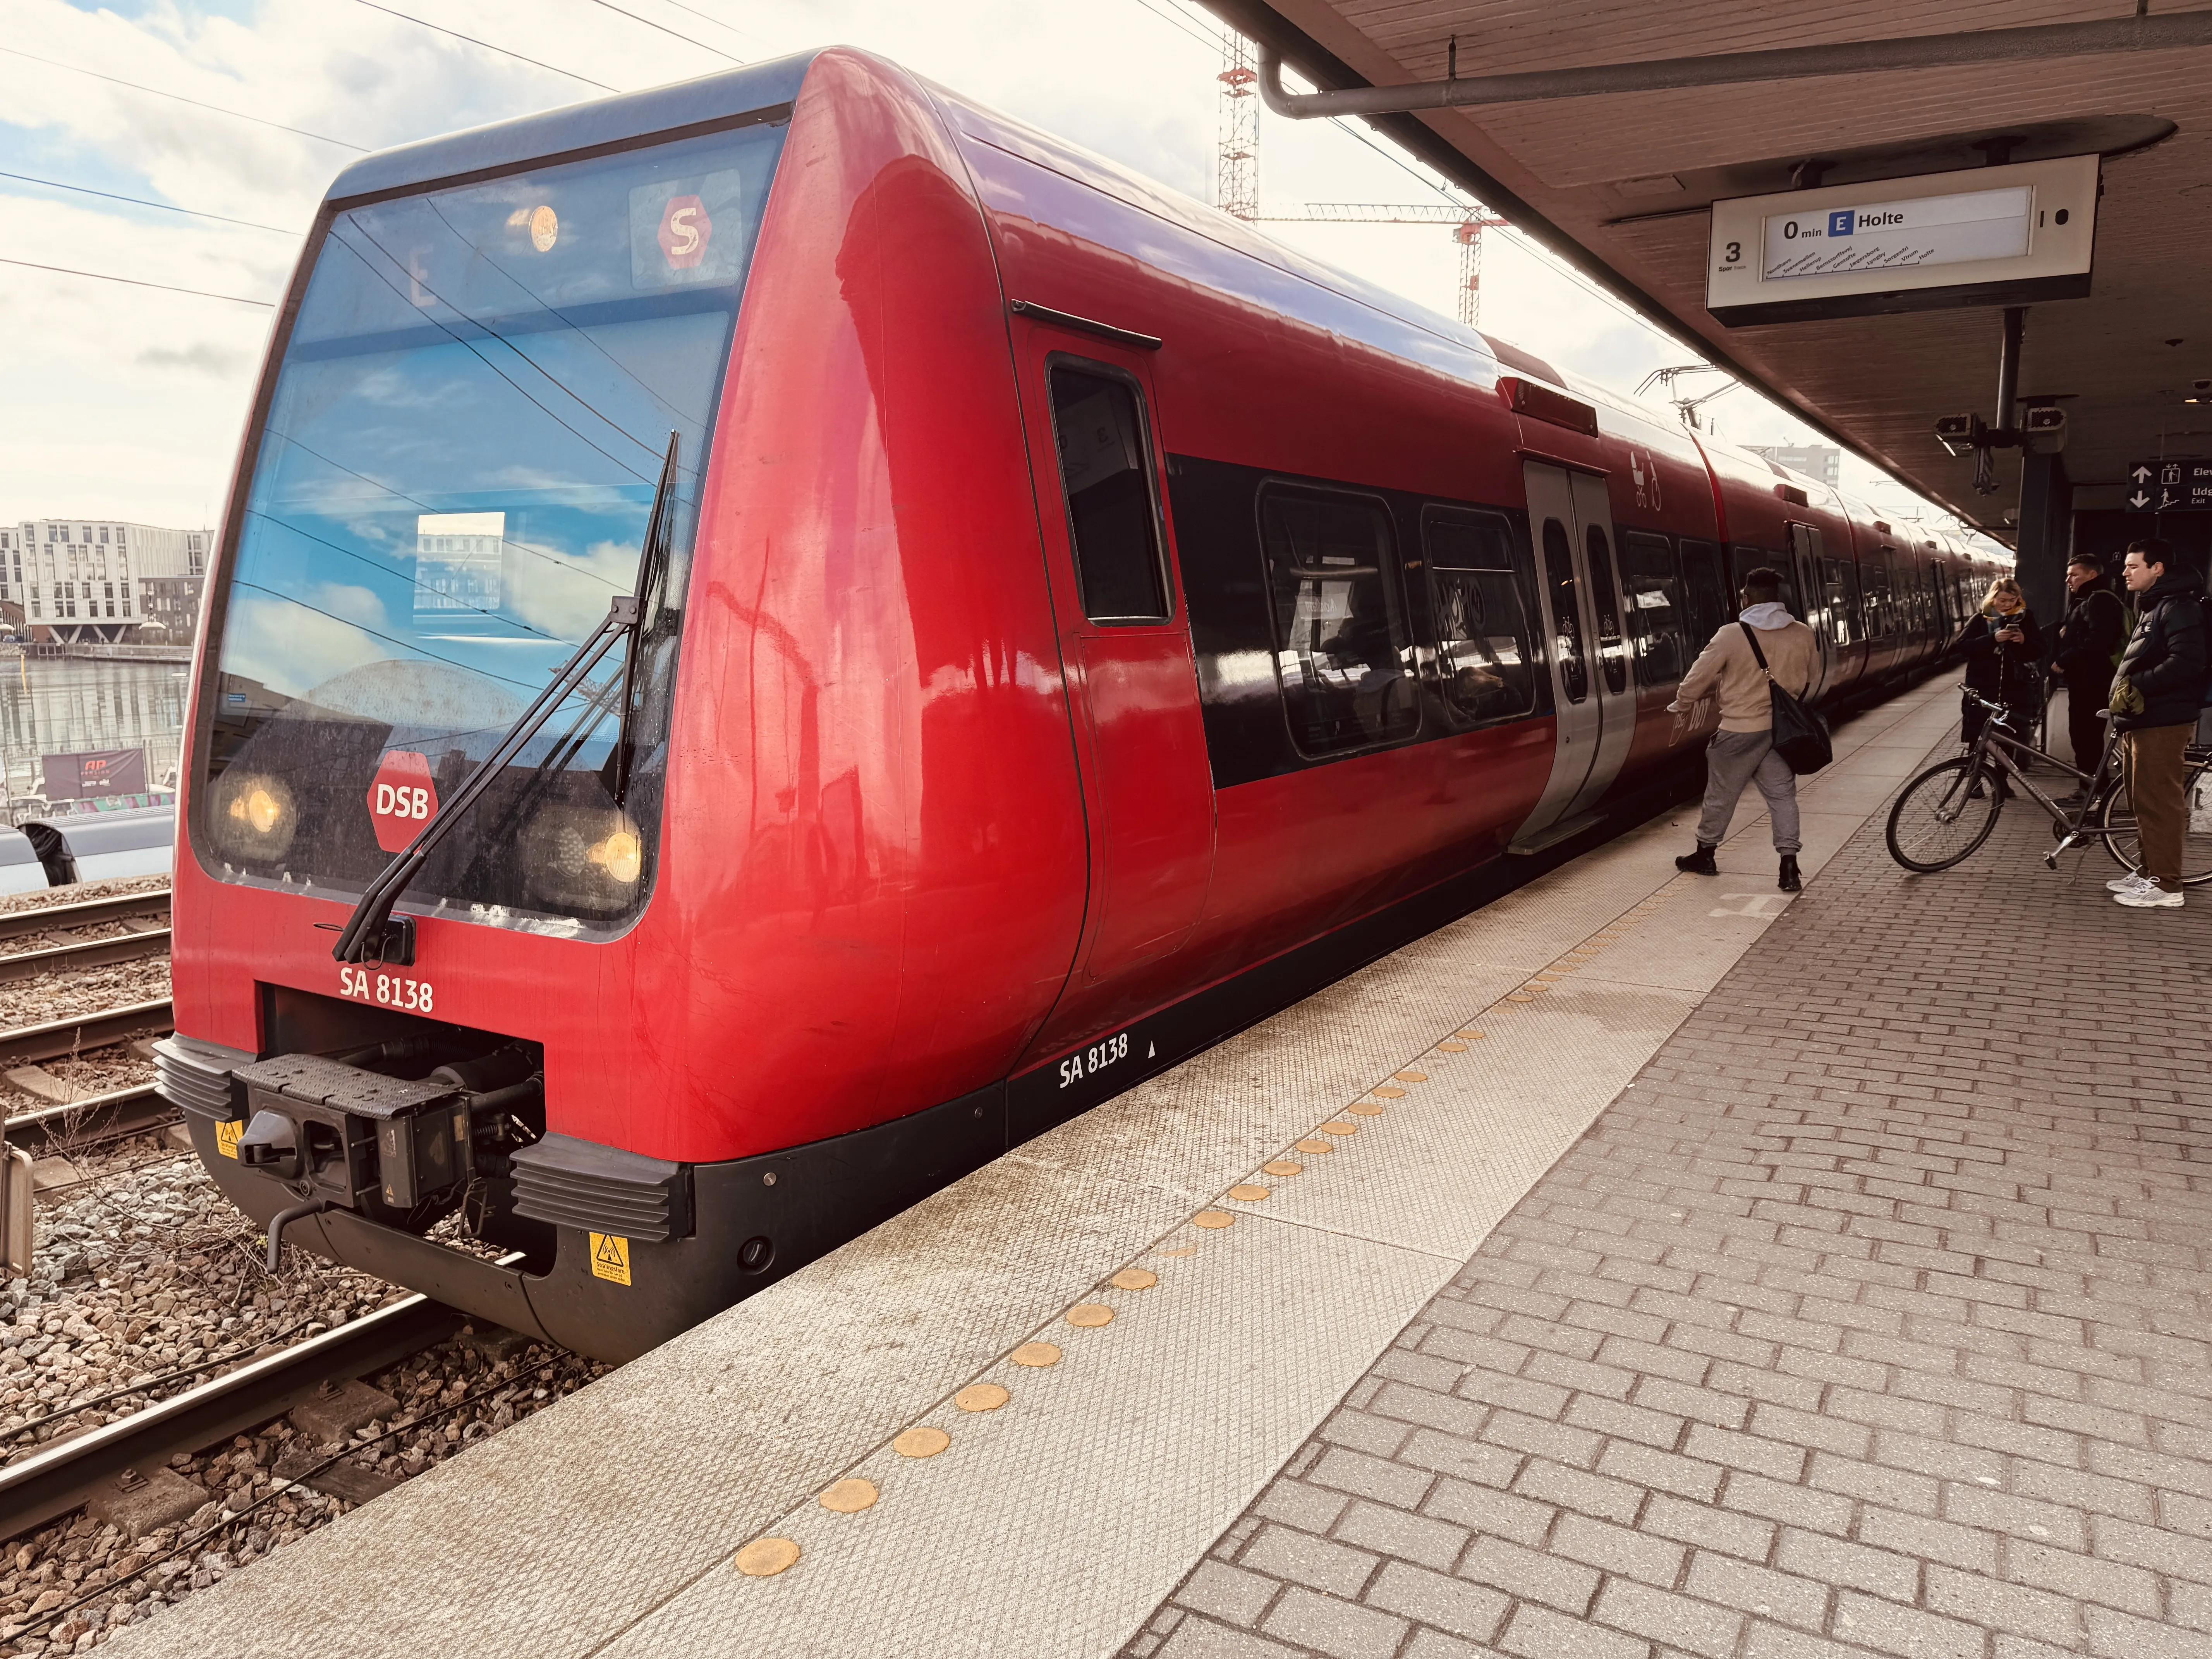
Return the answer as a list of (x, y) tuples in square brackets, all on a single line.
[(775, 637)]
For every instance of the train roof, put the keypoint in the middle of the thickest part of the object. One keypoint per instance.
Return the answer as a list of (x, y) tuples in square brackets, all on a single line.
[(572, 127), (1398, 325)]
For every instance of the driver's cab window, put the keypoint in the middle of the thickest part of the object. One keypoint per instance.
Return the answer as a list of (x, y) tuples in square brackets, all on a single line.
[(1344, 656), (1105, 471)]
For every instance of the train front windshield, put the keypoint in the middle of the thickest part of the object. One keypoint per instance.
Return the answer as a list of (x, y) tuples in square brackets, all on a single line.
[(452, 483)]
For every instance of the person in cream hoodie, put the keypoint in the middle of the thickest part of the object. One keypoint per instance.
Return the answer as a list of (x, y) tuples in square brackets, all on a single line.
[(1742, 750)]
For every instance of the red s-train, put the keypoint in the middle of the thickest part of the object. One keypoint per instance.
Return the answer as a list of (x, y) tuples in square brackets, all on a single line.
[(1076, 624)]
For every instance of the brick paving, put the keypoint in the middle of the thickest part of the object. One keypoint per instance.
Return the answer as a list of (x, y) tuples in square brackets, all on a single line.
[(1874, 1320)]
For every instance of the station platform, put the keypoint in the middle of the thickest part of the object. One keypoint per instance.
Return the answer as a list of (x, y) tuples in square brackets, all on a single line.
[(1769, 1277)]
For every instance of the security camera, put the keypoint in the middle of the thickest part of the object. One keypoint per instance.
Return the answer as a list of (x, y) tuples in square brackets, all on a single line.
[(2044, 429), (1959, 435)]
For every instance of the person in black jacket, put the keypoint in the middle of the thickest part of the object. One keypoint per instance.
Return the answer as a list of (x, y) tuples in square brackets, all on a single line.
[(2002, 647), (2089, 641), (2156, 698)]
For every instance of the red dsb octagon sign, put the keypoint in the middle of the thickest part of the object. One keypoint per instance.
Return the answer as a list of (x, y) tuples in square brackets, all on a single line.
[(401, 798)]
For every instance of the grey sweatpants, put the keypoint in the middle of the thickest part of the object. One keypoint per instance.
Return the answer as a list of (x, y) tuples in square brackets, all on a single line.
[(1733, 759)]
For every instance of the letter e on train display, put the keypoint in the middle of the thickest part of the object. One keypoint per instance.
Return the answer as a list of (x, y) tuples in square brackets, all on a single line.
[(402, 798)]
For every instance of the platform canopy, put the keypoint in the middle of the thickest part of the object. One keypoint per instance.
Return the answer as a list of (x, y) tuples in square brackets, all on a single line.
[(1607, 128)]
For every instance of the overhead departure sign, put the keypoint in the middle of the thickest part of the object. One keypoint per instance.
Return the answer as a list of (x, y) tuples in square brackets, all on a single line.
[(2005, 235)]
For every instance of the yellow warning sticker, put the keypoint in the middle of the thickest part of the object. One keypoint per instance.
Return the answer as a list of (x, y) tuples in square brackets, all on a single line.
[(226, 1134), (610, 1257)]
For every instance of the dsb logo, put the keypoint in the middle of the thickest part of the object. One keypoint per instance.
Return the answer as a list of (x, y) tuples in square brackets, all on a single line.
[(402, 798)]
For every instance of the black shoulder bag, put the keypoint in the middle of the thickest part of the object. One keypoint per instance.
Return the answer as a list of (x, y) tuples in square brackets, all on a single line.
[(1801, 736)]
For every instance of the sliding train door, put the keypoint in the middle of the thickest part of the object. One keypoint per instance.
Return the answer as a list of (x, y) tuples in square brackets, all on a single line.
[(1571, 522)]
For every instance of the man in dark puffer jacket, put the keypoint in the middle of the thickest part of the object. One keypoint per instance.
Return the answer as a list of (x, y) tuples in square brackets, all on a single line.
[(2156, 696)]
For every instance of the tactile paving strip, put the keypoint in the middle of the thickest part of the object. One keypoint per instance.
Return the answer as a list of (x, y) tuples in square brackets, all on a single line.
[(614, 1518)]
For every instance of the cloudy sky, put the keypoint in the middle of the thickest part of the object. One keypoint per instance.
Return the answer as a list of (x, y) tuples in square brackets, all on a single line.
[(126, 402)]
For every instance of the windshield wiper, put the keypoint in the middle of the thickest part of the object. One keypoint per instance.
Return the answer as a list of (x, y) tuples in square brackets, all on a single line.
[(372, 932)]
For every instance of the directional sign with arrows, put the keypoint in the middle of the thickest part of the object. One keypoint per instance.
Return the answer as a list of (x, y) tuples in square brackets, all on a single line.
[(2176, 484)]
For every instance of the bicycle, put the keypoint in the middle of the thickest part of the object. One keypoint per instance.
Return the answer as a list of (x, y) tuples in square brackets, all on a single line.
[(1941, 818)]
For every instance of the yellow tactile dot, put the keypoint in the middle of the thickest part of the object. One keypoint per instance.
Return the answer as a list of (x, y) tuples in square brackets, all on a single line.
[(1281, 1166), (1036, 1354), (849, 1496), (1411, 1076), (1552, 974), (1246, 1192), (1387, 1092), (1471, 1036), (1339, 1129), (1134, 1279), (1520, 996), (764, 1557), (1310, 1144), (1365, 1108), (1213, 1218), (1536, 988), (1451, 1045), (981, 1397), (923, 1441), (1089, 1315)]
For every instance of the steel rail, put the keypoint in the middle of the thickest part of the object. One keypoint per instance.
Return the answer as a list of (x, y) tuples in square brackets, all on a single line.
[(65, 1474), (108, 1116), (91, 953), (85, 913), (69, 1036)]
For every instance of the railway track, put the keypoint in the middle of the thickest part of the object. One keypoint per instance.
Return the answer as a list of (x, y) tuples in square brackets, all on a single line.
[(27, 1044), (85, 913), (78, 1123), (64, 1475), (84, 953)]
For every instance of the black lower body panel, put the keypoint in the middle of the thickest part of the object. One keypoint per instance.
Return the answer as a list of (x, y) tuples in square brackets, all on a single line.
[(614, 1297)]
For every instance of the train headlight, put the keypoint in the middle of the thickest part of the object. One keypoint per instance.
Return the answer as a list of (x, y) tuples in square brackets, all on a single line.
[(258, 816), (621, 855)]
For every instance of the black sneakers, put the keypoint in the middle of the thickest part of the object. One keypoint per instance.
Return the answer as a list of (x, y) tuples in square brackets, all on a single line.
[(1699, 863), (1789, 881)]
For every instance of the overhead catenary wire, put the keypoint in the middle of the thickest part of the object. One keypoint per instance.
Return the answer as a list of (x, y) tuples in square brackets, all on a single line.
[(140, 201), (710, 18), (156, 92), (171, 288), (440, 28), (665, 29)]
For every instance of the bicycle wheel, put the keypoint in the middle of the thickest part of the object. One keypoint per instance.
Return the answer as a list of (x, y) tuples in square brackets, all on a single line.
[(1940, 818), (2114, 820)]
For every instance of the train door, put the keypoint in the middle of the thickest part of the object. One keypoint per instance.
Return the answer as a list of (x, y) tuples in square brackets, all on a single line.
[(1125, 643), (1805, 556), (1570, 521)]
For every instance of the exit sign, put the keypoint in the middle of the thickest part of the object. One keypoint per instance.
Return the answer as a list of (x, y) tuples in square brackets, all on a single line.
[(2176, 484)]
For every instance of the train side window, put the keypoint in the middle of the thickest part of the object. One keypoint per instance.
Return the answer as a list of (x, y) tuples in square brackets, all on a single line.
[(1612, 649), (1484, 653), (1876, 604), (1839, 578), (1567, 610), (1654, 594), (1343, 655), (1748, 559), (1105, 470), (1705, 591)]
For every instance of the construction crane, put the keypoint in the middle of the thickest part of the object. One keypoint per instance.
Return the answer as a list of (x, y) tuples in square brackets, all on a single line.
[(1237, 183), (1237, 162), (1467, 224)]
